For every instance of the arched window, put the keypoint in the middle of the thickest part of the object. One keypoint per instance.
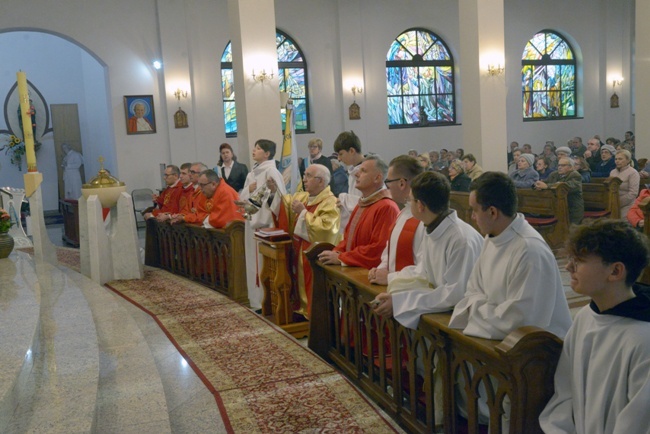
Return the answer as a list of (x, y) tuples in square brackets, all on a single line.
[(420, 81), (548, 77), (292, 75)]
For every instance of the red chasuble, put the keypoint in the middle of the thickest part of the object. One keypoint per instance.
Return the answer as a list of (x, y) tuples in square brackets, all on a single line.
[(368, 231), (168, 201)]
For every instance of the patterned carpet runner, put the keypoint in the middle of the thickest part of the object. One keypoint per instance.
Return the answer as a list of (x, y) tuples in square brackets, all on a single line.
[(262, 379)]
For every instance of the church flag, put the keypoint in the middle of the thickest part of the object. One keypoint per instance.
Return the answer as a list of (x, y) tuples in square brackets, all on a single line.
[(289, 158)]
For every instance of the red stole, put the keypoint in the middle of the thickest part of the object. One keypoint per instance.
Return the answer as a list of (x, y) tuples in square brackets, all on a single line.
[(404, 248)]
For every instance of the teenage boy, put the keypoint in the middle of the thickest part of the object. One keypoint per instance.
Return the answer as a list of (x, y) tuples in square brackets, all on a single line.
[(602, 381)]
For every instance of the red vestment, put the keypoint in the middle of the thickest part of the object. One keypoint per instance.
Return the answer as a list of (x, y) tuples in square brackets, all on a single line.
[(368, 230), (196, 211), (168, 200), (222, 206)]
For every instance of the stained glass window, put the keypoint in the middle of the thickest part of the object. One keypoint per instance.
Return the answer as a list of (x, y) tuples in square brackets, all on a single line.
[(292, 75), (548, 77), (420, 81)]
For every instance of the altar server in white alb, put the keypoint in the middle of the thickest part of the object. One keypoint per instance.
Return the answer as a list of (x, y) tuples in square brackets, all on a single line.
[(403, 247), (450, 248), (348, 147), (602, 381), (516, 281), (255, 184)]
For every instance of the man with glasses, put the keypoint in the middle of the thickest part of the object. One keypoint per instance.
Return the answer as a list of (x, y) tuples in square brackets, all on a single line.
[(195, 210), (309, 216), (371, 220), (220, 200), (167, 201), (403, 248)]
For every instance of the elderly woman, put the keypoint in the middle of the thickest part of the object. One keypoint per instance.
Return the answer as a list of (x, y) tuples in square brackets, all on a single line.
[(525, 176), (542, 165), (630, 180), (424, 161), (566, 173), (459, 180), (607, 164), (563, 151)]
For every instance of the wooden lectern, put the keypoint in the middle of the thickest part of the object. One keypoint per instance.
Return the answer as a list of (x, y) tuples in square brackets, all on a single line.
[(276, 280)]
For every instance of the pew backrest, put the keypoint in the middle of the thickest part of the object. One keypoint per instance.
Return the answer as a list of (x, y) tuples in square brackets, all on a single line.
[(547, 211), (601, 198)]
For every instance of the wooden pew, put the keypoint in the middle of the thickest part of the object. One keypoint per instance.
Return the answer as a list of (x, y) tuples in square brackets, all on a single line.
[(213, 257), (601, 198), (547, 211), (459, 201), (645, 207), (520, 367)]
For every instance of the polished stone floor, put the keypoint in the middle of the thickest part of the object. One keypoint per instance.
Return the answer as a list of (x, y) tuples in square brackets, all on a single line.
[(129, 379)]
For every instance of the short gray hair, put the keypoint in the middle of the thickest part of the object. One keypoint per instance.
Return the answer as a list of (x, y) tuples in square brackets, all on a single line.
[(381, 164), (322, 172)]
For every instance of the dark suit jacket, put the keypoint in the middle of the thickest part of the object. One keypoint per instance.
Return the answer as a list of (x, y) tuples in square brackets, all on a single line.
[(237, 177), (322, 160)]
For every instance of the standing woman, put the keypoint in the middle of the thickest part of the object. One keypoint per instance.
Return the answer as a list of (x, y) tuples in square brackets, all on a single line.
[(629, 189), (263, 169), (233, 172)]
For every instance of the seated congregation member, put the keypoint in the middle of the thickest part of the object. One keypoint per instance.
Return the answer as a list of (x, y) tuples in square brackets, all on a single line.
[(256, 184), (635, 215), (449, 250), (406, 235), (566, 173), (194, 211), (601, 381), (232, 171), (592, 155), (371, 220), (583, 169), (549, 153), (339, 182), (457, 177), (472, 169), (542, 166), (515, 281), (525, 176), (167, 201), (220, 200), (309, 216), (425, 161), (607, 162), (436, 162), (630, 178), (563, 151), (315, 147), (348, 147), (512, 166)]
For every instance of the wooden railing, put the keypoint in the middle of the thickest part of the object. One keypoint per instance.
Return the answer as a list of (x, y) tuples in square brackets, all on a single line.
[(395, 365), (213, 257)]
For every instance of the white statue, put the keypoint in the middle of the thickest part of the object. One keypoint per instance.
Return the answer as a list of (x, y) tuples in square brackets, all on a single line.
[(72, 162)]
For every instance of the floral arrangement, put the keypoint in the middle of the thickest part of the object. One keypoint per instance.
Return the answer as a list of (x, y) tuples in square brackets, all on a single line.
[(5, 221), (15, 148)]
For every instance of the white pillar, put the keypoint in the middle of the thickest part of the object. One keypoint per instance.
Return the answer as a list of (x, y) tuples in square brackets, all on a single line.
[(642, 81)]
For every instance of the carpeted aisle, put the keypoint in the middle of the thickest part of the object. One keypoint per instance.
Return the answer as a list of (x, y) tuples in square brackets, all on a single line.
[(262, 379)]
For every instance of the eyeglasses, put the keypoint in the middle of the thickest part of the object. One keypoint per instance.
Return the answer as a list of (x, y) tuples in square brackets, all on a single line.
[(388, 181), (204, 185), (563, 165), (194, 172), (308, 176)]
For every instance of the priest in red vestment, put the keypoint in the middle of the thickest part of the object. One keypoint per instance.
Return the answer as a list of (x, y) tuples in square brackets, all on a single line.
[(308, 216), (371, 220), (220, 201), (195, 210), (167, 201)]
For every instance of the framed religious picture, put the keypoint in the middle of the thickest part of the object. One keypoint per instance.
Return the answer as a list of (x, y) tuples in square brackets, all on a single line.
[(139, 113)]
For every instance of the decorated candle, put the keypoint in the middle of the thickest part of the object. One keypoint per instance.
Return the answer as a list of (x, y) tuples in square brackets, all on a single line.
[(26, 111)]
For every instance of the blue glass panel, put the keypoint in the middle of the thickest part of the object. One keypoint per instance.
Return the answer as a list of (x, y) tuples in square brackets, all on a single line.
[(410, 80), (409, 41), (424, 41), (527, 86), (427, 78), (227, 53), (437, 52), (540, 104), (568, 103), (393, 81), (568, 73), (227, 84), (398, 52), (301, 114), (294, 82), (445, 108), (444, 79), (395, 111), (287, 52), (428, 102), (411, 109), (230, 117)]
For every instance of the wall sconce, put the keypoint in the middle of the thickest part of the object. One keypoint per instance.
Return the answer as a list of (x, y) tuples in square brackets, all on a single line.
[(356, 89), (262, 77), (613, 100), (180, 93), (495, 70)]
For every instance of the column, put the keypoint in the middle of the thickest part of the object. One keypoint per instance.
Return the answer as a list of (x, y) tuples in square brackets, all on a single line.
[(641, 108), (483, 96)]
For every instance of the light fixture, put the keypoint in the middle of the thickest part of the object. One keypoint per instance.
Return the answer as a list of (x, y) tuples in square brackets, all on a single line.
[(180, 93), (495, 70), (157, 64), (617, 82), (356, 89), (263, 76)]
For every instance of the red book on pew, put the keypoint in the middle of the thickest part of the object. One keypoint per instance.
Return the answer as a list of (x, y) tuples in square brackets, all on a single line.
[(272, 234)]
